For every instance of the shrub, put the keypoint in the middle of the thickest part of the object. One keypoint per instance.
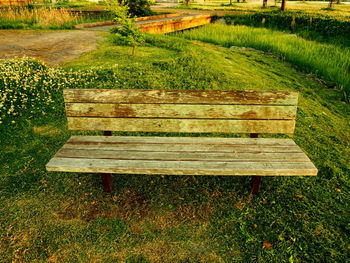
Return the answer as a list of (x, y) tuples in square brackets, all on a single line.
[(139, 7), (28, 87)]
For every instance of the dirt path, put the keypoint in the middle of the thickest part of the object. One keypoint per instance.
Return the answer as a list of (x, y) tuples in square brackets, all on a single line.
[(53, 47)]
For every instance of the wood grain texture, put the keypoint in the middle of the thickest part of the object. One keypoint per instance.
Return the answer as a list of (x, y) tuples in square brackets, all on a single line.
[(181, 111), (217, 97), (181, 167), (181, 156), (156, 147), (182, 140), (181, 125)]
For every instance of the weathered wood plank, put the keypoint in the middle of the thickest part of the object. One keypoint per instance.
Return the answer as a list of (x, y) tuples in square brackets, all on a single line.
[(182, 147), (184, 140), (181, 111), (181, 156), (181, 125), (181, 97), (181, 167)]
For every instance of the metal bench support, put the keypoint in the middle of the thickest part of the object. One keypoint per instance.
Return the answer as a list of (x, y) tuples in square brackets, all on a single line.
[(107, 178), (256, 180)]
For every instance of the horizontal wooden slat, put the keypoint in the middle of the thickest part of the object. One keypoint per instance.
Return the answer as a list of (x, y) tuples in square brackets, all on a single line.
[(182, 156), (181, 111), (156, 147), (181, 125), (180, 167), (182, 140), (181, 96)]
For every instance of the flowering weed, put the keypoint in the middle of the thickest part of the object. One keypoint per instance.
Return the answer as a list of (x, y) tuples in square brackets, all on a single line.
[(28, 87)]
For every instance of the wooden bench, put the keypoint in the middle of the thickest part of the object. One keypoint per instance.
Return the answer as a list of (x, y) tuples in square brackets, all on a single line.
[(178, 111)]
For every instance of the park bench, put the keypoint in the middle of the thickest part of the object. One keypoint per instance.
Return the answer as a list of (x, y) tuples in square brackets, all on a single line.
[(180, 111)]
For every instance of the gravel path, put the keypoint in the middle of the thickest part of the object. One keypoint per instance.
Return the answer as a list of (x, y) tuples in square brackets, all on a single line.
[(53, 47)]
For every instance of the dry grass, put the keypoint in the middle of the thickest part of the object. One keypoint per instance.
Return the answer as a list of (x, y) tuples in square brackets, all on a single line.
[(40, 17)]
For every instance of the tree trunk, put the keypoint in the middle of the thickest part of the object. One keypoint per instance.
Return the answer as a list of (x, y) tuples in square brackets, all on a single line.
[(331, 2), (283, 6), (133, 51), (264, 3), (338, 2)]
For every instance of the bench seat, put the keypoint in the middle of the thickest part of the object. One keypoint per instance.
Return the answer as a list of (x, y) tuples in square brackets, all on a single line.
[(182, 156)]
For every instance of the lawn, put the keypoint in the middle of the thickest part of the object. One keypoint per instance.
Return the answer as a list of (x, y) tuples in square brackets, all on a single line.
[(64, 217)]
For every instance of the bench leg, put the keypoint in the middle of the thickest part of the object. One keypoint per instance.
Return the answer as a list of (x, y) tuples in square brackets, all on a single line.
[(107, 182), (256, 180)]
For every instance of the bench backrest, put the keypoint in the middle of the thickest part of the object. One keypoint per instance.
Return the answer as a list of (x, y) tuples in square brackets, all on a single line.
[(213, 111)]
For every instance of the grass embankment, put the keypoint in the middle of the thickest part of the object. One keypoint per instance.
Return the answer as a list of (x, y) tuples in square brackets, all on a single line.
[(66, 217), (329, 62)]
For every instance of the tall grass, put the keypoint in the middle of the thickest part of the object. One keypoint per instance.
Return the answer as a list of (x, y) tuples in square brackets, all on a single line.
[(329, 62), (17, 18)]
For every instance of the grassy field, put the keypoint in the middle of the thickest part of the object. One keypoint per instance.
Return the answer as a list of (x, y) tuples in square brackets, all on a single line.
[(310, 7), (328, 61), (64, 217)]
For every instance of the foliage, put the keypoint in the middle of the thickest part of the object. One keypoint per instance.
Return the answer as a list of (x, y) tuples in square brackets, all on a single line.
[(139, 7), (327, 26), (54, 216), (327, 61), (29, 88), (126, 30)]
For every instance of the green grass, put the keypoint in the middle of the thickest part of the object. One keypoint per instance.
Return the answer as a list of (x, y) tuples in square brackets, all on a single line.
[(65, 217), (329, 62)]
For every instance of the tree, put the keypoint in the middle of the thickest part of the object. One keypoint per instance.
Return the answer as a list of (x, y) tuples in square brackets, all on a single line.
[(331, 2), (283, 6), (126, 30), (137, 7), (264, 3)]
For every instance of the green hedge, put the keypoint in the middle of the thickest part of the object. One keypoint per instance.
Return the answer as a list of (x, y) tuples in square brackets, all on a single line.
[(295, 21)]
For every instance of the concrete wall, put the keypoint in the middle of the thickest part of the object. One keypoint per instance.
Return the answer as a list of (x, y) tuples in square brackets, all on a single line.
[(176, 24)]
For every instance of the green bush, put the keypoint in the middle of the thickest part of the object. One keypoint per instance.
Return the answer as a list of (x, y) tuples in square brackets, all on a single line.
[(139, 7)]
